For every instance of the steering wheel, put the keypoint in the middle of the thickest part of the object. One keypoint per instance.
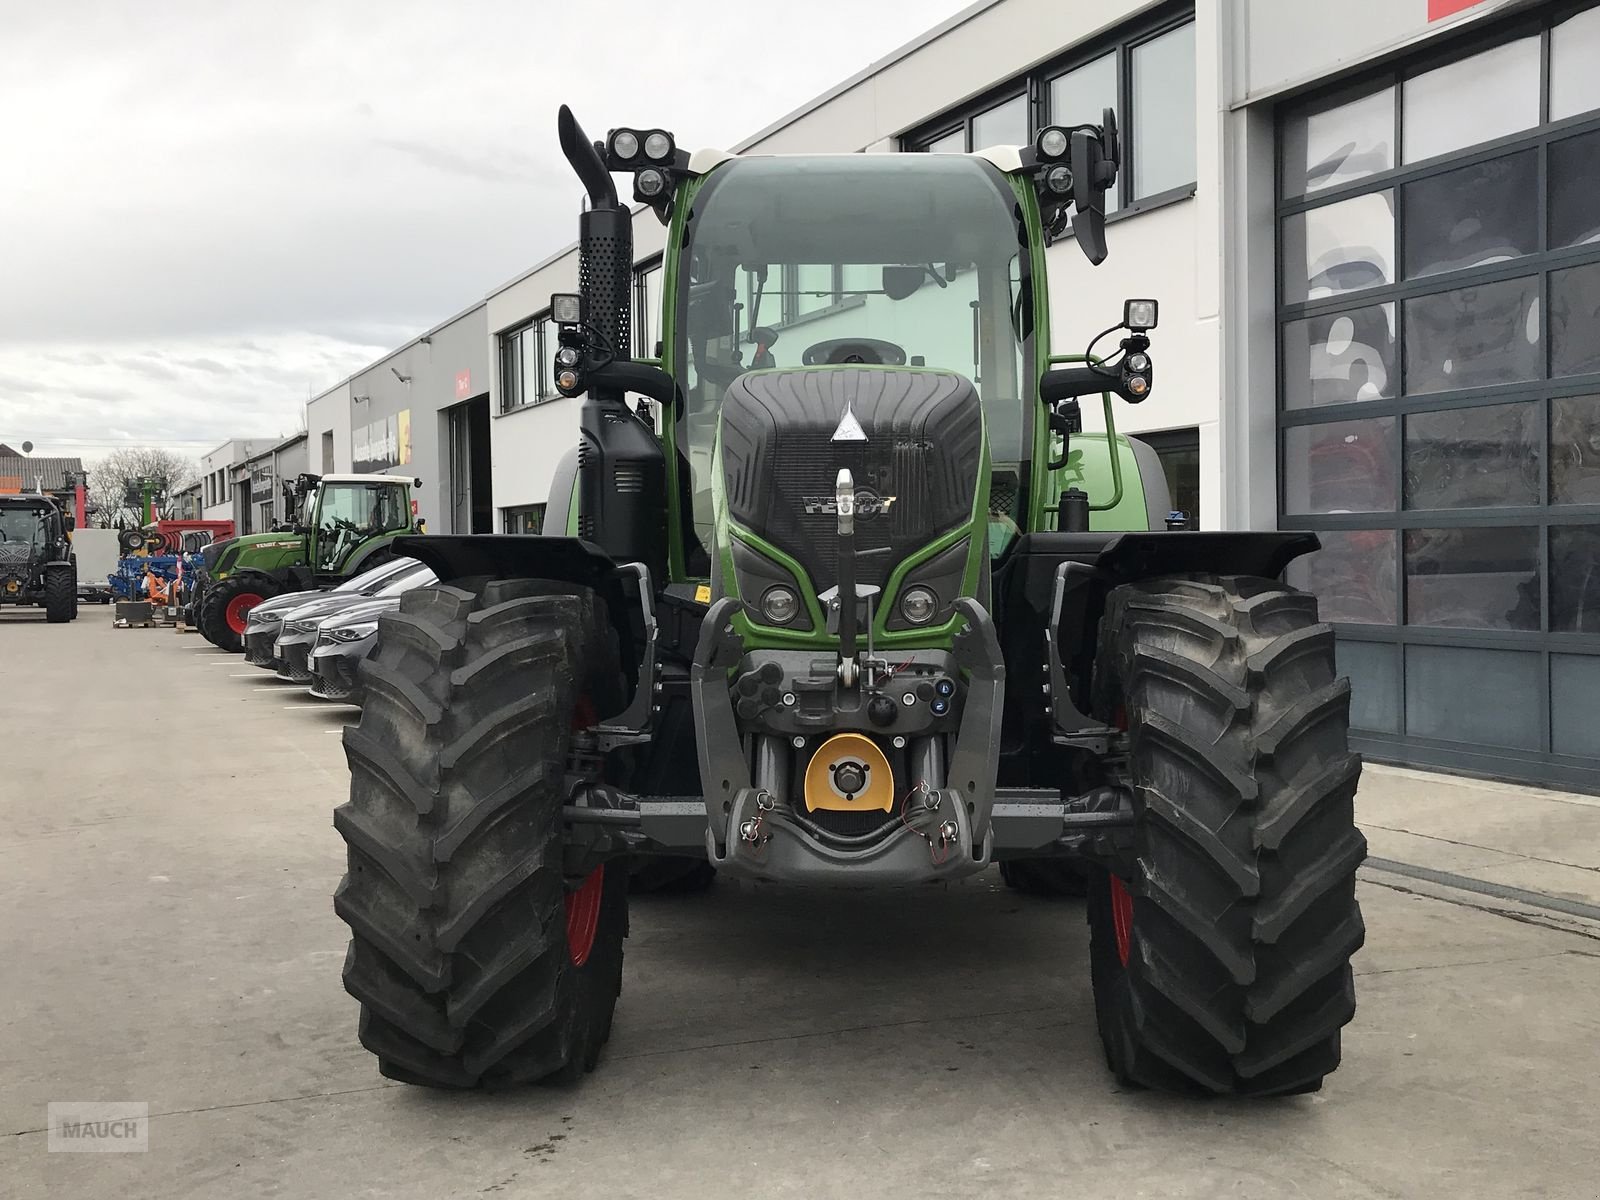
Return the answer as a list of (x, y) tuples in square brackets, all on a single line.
[(837, 351)]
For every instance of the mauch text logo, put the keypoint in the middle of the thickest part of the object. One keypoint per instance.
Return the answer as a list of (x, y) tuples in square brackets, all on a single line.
[(96, 1127), (868, 504)]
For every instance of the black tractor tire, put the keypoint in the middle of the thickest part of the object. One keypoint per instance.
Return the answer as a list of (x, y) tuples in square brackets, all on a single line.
[(476, 961), (60, 595), (226, 603), (669, 875), (1046, 877), (1221, 963)]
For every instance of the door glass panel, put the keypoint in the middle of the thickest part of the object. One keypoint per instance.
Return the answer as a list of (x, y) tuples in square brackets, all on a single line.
[(1575, 190), (1575, 320), (1474, 100), (1339, 358), (1473, 336), (1339, 467), (1459, 694), (1374, 672), (1574, 684), (1163, 112), (1575, 578), (1575, 450), (1080, 96), (1574, 51), (1341, 142), (1340, 247), (1473, 577), (1473, 457), (1005, 124), (1352, 576), (1484, 213)]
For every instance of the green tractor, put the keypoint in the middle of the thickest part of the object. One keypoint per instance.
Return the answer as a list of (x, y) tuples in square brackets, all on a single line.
[(853, 602), (345, 524)]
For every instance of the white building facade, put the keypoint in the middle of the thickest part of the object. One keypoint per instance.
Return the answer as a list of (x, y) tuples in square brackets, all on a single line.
[(1373, 230)]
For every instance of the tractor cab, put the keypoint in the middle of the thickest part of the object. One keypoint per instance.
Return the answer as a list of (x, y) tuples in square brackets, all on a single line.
[(340, 514)]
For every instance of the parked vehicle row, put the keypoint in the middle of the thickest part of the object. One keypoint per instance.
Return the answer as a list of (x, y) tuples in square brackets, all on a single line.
[(319, 638)]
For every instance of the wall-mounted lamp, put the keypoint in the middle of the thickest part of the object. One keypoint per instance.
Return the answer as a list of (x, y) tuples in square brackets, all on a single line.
[(402, 378), (359, 399)]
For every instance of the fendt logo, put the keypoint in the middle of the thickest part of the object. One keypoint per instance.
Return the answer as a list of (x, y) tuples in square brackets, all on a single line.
[(868, 504)]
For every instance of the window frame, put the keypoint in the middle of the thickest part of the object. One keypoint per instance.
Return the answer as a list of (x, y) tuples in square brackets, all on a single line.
[(514, 366), (1035, 86)]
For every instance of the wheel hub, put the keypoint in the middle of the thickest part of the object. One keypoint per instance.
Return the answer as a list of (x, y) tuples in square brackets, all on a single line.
[(237, 613), (583, 916)]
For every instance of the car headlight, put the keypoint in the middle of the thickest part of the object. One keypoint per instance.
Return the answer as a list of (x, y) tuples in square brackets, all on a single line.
[(918, 604), (300, 626), (780, 605), (354, 633), (266, 618)]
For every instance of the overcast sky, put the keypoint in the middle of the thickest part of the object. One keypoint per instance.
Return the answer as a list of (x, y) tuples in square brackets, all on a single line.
[(209, 208)]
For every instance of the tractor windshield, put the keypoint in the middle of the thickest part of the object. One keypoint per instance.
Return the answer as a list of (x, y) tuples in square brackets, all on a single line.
[(895, 259), (348, 514), (20, 524)]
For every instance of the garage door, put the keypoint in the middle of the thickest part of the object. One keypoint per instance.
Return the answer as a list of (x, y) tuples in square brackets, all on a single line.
[(1439, 395)]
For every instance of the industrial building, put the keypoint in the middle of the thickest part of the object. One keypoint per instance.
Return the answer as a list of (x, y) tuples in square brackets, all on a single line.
[(1374, 233)]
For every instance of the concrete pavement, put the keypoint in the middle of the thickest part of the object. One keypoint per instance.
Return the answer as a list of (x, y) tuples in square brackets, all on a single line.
[(166, 865)]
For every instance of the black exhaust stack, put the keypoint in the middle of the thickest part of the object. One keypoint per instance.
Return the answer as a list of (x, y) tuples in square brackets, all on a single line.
[(622, 489)]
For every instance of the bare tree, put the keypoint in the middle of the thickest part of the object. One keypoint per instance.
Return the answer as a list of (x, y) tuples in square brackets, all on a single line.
[(125, 470)]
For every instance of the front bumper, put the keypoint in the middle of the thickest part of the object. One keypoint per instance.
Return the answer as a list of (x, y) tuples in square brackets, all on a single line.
[(258, 643), (293, 658), (336, 667), (754, 829)]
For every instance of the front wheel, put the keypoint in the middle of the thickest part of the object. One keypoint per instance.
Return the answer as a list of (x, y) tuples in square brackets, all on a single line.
[(226, 609), (60, 595), (476, 960), (1221, 956)]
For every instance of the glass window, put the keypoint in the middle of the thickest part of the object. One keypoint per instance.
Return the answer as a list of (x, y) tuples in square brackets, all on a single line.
[(529, 518), (647, 318), (510, 370), (1164, 112), (1442, 683), (1339, 358), (1485, 213), (878, 220), (1006, 124), (1352, 576), (1338, 143), (1474, 100), (954, 142), (1339, 467), (1575, 450), (1575, 320), (1081, 96), (1473, 577), (1374, 672), (1574, 683), (1575, 578), (813, 287), (1574, 50), (349, 513), (1473, 457), (1575, 189), (548, 345), (1473, 336), (1339, 247)]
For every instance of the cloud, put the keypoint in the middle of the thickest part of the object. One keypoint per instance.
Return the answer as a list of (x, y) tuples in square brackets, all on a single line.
[(206, 181)]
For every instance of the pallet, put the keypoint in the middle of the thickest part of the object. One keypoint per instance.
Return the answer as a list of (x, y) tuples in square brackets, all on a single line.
[(131, 614)]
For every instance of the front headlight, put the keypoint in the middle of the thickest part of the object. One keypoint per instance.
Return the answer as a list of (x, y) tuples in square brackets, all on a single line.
[(299, 626), (266, 618), (353, 633), (780, 605), (918, 604)]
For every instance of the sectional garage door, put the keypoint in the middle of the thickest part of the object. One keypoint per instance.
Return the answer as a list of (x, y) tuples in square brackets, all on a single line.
[(1439, 395)]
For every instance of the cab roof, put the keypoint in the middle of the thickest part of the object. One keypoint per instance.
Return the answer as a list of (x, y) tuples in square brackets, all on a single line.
[(399, 479)]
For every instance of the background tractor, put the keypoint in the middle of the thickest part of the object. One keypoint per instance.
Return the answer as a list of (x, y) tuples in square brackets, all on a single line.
[(37, 565), (344, 524), (853, 601)]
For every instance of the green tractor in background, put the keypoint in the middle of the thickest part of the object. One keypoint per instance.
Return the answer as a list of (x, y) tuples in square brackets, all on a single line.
[(344, 524), (853, 601)]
